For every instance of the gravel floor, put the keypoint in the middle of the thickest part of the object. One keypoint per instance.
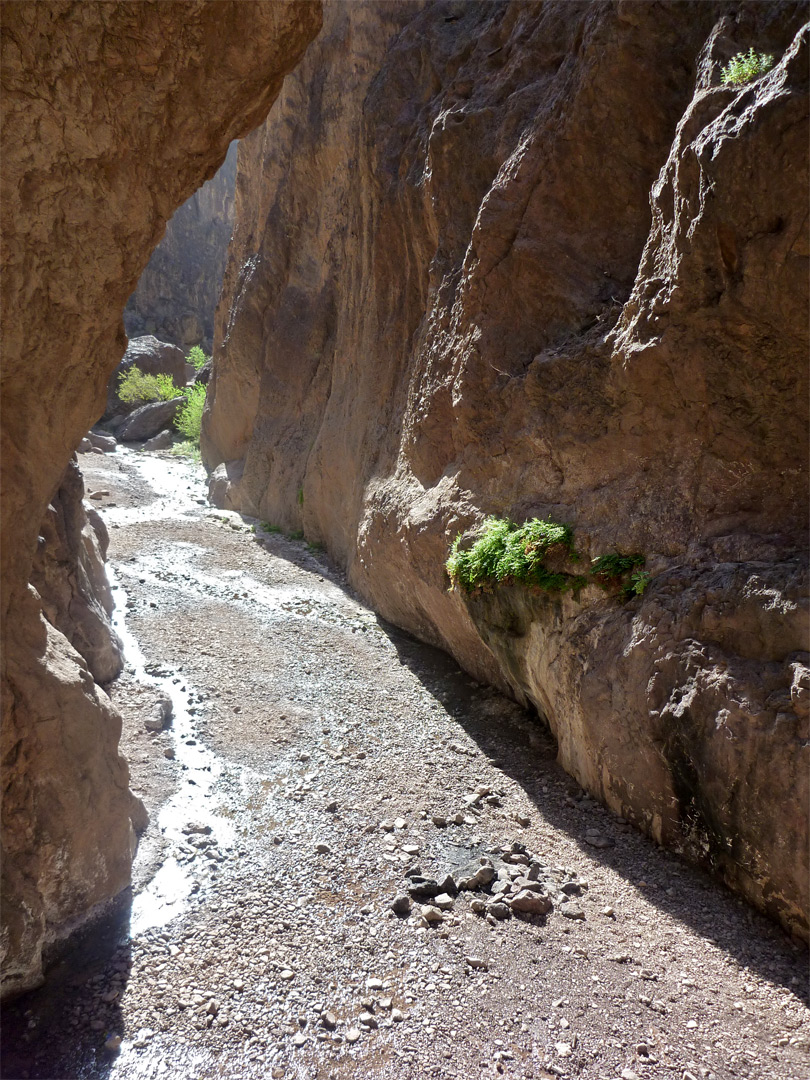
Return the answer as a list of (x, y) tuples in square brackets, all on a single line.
[(321, 765)]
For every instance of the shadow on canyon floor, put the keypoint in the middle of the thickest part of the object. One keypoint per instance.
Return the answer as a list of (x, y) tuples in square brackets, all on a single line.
[(698, 901), (80, 963)]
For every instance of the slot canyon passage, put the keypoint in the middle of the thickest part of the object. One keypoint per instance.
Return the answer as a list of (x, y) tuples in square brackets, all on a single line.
[(489, 260)]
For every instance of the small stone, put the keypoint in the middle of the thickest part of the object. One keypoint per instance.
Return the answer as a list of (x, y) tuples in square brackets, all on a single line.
[(352, 1035), (374, 984), (478, 907), (387, 826), (113, 1043), (571, 910), (563, 1049), (401, 904), (400, 823), (286, 975), (440, 821), (477, 963), (329, 1021), (628, 1074), (431, 914), (499, 910), (385, 1003), (643, 1049), (213, 1007), (410, 849), (443, 902), (397, 1016), (169, 753), (331, 807), (530, 903), (368, 1020), (299, 1039), (323, 849)]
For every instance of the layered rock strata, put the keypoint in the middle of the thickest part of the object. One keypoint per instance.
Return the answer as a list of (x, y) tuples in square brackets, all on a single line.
[(112, 115), (178, 291), (536, 260)]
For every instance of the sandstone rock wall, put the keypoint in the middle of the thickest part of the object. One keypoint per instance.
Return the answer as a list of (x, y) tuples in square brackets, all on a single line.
[(536, 260), (112, 115), (177, 293)]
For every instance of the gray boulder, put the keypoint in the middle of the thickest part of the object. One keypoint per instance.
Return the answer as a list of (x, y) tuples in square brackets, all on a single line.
[(147, 421), (160, 442), (223, 485), (101, 442)]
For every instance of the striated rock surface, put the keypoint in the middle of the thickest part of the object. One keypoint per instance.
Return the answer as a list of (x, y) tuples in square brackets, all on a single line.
[(177, 293), (69, 576), (113, 114), (535, 260)]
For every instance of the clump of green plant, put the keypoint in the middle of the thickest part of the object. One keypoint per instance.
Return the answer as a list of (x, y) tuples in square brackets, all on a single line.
[(745, 66), (639, 580), (611, 568), (300, 496), (189, 416), (295, 535), (270, 528), (506, 553), (197, 358), (186, 449), (136, 387)]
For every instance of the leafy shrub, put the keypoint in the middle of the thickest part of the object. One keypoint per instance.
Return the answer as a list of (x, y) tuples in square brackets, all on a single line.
[(613, 567), (506, 553), (197, 358), (189, 417), (295, 535), (745, 66), (270, 528), (638, 583), (137, 388)]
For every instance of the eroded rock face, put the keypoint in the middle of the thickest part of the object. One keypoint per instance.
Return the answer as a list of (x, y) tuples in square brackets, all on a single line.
[(447, 297), (113, 115), (177, 293), (69, 576)]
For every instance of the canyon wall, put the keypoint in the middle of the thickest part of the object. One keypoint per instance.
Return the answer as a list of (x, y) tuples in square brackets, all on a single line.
[(112, 115), (536, 260), (178, 291)]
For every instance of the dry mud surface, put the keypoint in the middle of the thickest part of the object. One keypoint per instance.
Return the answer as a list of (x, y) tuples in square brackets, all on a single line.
[(316, 757)]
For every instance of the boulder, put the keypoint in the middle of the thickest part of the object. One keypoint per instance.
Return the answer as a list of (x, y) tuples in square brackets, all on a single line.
[(107, 443), (148, 420), (161, 441), (223, 485)]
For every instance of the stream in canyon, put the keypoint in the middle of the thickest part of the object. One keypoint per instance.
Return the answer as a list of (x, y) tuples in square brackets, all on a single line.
[(319, 764)]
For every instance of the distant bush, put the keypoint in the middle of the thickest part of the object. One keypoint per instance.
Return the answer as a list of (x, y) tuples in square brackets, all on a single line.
[(745, 66), (186, 449), (197, 358), (189, 417), (135, 387)]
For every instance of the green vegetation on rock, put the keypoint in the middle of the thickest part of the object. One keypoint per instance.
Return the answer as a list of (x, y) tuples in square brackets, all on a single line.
[(505, 553), (136, 387), (745, 66)]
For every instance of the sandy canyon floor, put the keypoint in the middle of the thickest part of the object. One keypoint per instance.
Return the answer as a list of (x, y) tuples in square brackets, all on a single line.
[(317, 757)]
